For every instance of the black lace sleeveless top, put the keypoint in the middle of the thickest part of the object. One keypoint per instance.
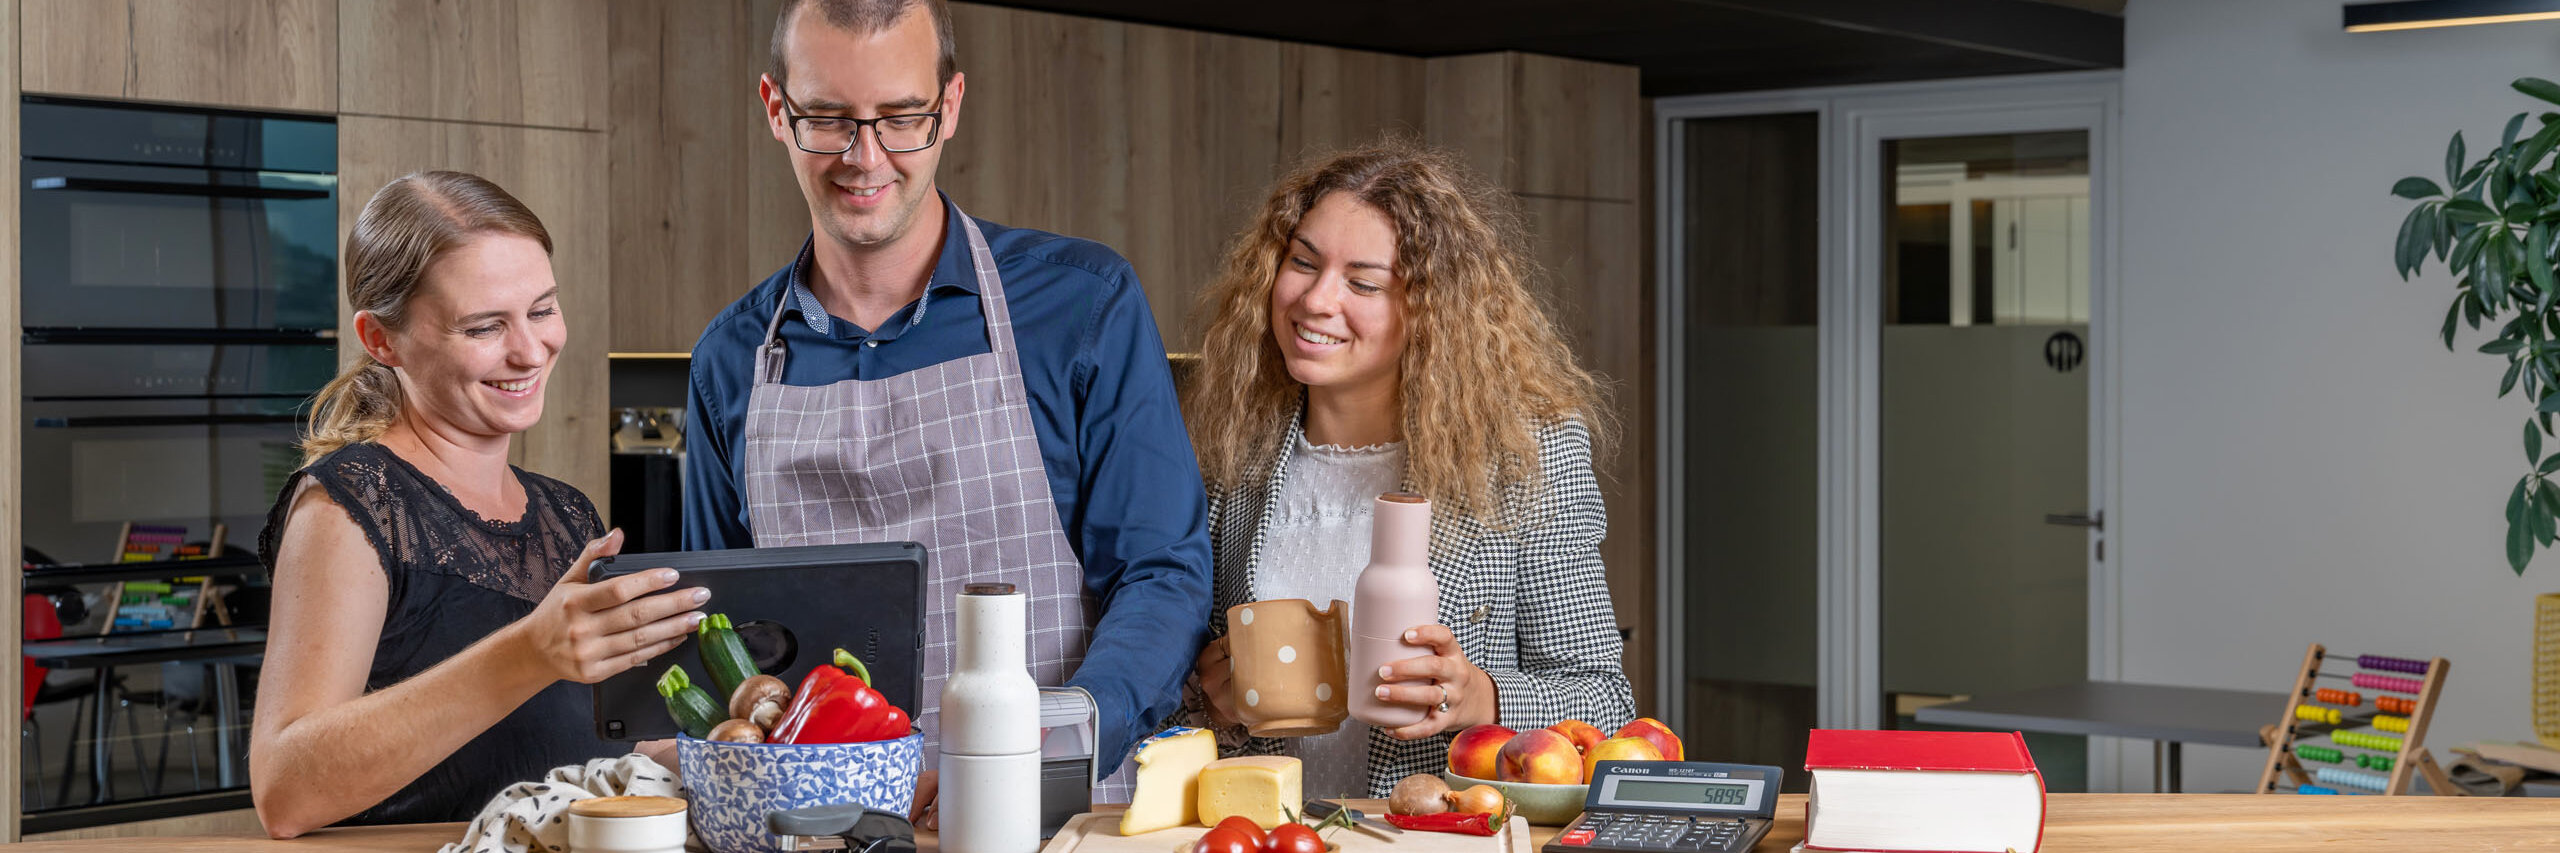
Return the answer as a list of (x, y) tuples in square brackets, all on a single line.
[(454, 578)]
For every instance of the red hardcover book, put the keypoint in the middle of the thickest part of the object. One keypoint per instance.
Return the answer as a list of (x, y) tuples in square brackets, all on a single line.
[(1922, 792)]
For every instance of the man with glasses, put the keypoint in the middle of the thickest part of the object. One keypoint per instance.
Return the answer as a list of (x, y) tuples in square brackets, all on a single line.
[(998, 394)]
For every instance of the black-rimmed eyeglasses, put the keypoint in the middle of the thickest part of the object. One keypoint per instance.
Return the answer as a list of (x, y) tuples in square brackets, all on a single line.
[(898, 134)]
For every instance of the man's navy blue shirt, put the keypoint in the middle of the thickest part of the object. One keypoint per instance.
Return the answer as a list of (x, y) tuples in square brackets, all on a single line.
[(1120, 465)]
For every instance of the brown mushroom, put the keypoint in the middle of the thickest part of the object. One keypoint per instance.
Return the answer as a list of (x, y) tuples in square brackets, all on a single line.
[(737, 731), (757, 689)]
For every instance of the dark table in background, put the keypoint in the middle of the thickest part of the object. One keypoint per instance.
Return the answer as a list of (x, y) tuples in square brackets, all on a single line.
[(2167, 715), (215, 645)]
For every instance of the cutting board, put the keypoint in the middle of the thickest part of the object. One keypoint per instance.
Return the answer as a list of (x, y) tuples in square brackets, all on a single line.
[(1100, 833)]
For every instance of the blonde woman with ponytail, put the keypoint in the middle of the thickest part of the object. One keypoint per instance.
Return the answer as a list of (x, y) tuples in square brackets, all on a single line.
[(1373, 330), (432, 614)]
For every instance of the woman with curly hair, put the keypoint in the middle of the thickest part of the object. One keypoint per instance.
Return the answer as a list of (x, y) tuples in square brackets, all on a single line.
[(1373, 330)]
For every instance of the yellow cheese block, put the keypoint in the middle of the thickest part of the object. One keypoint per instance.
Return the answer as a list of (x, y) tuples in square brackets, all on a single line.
[(1168, 779), (1255, 786)]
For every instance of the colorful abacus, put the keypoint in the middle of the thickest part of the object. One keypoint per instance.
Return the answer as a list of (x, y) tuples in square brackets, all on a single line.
[(2313, 712), (2336, 778), (2371, 681), (154, 605)]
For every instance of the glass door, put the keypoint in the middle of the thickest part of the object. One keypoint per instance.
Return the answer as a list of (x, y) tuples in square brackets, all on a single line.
[(1750, 244), (1886, 396), (1982, 414)]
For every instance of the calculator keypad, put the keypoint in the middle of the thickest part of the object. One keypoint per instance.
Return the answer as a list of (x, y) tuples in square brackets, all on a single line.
[(1629, 831)]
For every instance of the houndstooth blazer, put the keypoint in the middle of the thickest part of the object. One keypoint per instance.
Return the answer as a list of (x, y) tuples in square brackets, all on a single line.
[(1529, 605)]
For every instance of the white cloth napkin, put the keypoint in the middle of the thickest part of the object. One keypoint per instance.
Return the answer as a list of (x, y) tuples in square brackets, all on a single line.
[(533, 817)]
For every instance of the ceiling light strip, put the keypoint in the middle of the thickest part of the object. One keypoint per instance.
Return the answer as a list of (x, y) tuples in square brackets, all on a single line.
[(2429, 14)]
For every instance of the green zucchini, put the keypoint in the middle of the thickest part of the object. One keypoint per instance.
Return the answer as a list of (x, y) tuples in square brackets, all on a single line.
[(693, 709), (724, 656)]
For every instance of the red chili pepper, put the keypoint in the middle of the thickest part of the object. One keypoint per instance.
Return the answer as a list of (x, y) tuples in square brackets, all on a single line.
[(1458, 822), (837, 705)]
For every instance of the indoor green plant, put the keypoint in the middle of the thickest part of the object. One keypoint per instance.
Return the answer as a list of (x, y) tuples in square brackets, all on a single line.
[(2492, 224)]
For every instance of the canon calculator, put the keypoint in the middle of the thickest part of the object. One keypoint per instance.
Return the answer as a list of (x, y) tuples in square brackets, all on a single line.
[(1683, 806)]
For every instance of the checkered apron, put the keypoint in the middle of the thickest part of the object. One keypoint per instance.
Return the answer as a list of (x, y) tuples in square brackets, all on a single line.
[(944, 456)]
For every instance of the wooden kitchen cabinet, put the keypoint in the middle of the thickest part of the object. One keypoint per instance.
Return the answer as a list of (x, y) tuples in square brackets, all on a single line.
[(1564, 137), (1540, 125), (521, 62), (558, 174), (273, 54), (1332, 98), (685, 126)]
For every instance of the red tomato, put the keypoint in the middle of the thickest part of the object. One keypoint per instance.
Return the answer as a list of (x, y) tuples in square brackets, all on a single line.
[(1246, 827), (1293, 838), (1224, 840)]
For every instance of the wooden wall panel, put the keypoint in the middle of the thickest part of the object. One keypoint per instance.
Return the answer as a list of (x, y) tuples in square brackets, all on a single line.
[(1467, 109), (1598, 291), (529, 62), (559, 176), (10, 581), (1565, 137), (1540, 124), (1334, 98), (1203, 142), (1045, 128), (681, 92), (777, 216), (277, 54), (1574, 127), (74, 47)]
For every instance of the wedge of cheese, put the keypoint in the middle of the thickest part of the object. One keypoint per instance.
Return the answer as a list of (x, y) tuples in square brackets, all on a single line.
[(1169, 780), (1255, 786)]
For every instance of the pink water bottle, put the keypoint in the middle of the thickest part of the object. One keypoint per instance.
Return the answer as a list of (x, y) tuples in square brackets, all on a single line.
[(1396, 593)]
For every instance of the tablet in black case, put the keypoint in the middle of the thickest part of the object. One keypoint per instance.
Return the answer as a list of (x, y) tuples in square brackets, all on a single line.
[(794, 607)]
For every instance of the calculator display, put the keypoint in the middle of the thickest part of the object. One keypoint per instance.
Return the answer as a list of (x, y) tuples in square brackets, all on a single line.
[(1683, 793), (1718, 794)]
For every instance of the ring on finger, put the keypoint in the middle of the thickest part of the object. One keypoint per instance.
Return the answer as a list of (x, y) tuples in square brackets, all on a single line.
[(1444, 698)]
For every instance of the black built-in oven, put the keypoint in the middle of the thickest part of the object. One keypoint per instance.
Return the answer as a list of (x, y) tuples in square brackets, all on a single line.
[(179, 305)]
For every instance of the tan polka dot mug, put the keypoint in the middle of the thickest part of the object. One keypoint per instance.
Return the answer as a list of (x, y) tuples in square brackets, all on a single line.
[(1288, 666)]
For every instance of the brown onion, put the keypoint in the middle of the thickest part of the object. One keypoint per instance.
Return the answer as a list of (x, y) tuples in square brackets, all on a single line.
[(1481, 799), (1420, 793)]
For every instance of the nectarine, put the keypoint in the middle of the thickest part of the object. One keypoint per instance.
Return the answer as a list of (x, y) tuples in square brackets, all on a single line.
[(1540, 756), (1653, 730), (1476, 753)]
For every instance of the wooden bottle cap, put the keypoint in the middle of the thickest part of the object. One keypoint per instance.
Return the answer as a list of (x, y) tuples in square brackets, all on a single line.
[(987, 589), (1404, 498), (626, 806)]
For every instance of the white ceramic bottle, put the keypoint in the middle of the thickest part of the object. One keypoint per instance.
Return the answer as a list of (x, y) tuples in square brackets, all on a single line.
[(1395, 593), (989, 792)]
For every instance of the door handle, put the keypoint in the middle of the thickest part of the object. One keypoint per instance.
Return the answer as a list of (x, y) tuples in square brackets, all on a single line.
[(2096, 519)]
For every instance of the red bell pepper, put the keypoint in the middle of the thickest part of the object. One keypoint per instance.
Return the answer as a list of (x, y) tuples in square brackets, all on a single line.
[(1458, 822), (835, 704)]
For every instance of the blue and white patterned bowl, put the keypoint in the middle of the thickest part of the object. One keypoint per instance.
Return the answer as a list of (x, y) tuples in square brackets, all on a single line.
[(733, 785)]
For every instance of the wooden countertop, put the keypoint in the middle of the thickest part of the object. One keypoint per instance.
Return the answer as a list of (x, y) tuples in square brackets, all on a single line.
[(2117, 823)]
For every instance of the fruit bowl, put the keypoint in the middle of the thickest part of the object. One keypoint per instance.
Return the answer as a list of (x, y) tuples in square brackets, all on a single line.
[(1540, 804)]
